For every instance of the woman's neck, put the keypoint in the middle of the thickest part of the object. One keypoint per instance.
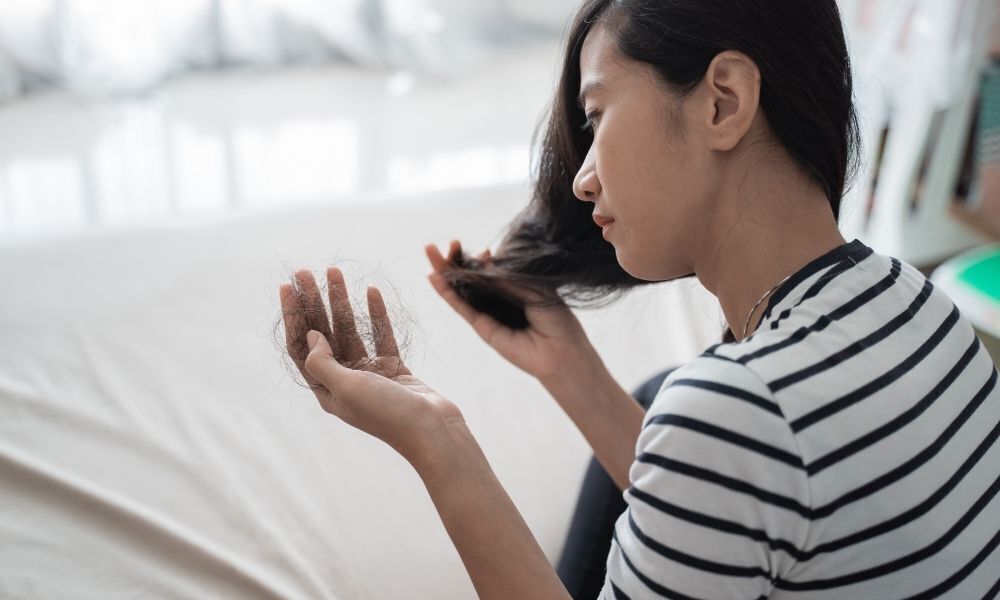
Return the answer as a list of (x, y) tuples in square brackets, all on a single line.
[(771, 228)]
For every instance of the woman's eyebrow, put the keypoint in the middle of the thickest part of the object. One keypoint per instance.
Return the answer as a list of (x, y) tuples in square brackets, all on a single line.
[(590, 86)]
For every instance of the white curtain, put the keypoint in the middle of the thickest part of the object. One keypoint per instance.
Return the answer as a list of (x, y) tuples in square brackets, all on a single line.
[(109, 47)]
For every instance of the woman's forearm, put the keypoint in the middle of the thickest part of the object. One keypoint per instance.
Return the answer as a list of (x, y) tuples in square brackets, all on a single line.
[(499, 551), (607, 415)]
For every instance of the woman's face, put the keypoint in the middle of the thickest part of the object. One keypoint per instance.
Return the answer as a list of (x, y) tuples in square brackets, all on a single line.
[(639, 170)]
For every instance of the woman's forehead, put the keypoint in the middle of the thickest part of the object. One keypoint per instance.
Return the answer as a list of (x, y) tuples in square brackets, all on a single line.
[(598, 49), (604, 67), (600, 62)]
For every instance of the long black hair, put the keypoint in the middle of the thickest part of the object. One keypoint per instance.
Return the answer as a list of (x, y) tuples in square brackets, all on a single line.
[(553, 249)]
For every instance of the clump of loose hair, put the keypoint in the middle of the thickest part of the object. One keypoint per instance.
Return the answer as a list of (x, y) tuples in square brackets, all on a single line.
[(403, 323)]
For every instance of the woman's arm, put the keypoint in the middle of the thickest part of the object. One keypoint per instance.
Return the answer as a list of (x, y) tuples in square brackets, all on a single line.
[(380, 396), (499, 551), (607, 415)]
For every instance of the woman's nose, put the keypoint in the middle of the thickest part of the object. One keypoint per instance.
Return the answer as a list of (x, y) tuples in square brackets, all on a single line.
[(586, 186)]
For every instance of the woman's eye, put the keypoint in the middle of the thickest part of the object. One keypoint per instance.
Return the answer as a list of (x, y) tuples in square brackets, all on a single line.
[(591, 121)]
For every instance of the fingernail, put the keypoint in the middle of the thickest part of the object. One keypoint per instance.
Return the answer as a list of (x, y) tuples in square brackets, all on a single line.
[(312, 338)]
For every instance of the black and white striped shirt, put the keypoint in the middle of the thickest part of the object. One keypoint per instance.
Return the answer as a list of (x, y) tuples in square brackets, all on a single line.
[(844, 450)]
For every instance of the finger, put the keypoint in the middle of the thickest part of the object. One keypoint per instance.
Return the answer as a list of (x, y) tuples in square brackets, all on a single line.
[(385, 341), (454, 250), (295, 330), (348, 344), (321, 364), (438, 261), (295, 322), (312, 302)]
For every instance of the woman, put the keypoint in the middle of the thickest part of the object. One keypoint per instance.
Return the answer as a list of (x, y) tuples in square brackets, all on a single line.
[(839, 443)]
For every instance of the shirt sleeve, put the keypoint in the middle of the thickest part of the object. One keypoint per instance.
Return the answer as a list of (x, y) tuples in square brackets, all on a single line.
[(718, 501)]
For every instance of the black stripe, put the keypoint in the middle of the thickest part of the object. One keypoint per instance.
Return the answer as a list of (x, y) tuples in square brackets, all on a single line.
[(728, 436), (855, 251), (619, 594), (917, 511), (838, 269), (900, 421), (712, 348), (652, 585), (964, 572), (822, 322), (727, 482), (731, 391), (904, 561), (715, 523), (857, 347), (693, 562), (914, 463), (995, 590), (709, 354), (880, 382)]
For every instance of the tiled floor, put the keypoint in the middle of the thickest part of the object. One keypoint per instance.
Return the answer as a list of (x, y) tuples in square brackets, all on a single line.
[(214, 144)]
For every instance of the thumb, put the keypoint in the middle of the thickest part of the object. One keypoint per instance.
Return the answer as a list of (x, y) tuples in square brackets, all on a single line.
[(315, 338), (320, 362)]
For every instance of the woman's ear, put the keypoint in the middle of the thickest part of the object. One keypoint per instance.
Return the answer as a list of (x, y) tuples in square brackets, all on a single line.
[(732, 85)]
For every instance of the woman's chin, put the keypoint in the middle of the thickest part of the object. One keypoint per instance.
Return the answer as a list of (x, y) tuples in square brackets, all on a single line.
[(634, 270), (652, 272)]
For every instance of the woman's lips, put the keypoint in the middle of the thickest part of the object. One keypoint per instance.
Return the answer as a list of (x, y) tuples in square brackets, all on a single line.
[(601, 220)]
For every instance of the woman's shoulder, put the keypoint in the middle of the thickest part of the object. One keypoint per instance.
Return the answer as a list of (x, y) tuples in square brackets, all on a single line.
[(714, 388), (854, 317)]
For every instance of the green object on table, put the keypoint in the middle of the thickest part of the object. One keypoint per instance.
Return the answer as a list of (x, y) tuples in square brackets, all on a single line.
[(983, 275), (972, 280)]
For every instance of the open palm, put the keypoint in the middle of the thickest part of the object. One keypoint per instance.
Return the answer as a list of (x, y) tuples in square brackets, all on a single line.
[(378, 395)]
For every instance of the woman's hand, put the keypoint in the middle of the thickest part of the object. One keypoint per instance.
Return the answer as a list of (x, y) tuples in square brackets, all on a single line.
[(552, 345), (378, 395), (555, 349)]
